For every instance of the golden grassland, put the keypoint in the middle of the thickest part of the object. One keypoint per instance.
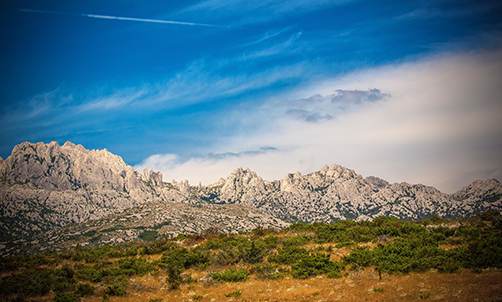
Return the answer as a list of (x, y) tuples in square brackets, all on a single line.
[(358, 286)]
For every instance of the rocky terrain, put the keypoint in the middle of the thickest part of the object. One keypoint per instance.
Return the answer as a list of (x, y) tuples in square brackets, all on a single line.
[(337, 193), (46, 186), (150, 220)]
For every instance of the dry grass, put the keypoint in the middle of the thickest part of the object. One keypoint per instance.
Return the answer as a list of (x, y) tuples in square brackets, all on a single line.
[(358, 286)]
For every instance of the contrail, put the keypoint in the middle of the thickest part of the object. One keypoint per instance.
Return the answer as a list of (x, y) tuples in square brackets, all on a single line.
[(116, 18)]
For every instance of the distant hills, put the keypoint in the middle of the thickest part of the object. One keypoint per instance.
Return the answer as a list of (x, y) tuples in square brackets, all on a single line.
[(44, 187)]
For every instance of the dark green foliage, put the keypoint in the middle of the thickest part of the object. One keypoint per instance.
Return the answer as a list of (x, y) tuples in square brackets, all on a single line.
[(407, 255), (66, 297), (231, 275), (184, 258), (288, 255), (314, 265), (116, 290), (253, 252), (296, 240), (173, 276), (137, 266), (486, 251), (38, 282), (132, 251), (271, 242), (84, 290), (359, 256), (156, 247), (148, 236)]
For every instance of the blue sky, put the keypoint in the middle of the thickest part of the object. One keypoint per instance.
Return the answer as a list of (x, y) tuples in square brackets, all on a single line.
[(404, 90)]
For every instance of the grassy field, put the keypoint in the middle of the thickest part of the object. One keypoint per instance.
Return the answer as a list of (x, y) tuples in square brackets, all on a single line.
[(383, 260)]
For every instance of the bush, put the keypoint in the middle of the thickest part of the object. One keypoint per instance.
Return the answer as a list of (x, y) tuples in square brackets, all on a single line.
[(116, 290), (289, 255), (314, 265), (359, 256), (138, 266), (84, 290), (66, 297), (231, 275), (234, 294), (252, 253)]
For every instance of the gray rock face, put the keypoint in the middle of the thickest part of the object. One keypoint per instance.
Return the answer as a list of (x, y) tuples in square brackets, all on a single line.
[(337, 193), (45, 186)]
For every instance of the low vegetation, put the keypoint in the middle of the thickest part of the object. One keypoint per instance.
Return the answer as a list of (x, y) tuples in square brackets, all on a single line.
[(302, 252)]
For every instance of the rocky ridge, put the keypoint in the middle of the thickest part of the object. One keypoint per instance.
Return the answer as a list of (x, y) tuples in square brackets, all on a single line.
[(338, 193), (143, 223), (45, 186)]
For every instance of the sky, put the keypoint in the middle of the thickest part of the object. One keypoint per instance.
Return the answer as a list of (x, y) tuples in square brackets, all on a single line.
[(403, 90)]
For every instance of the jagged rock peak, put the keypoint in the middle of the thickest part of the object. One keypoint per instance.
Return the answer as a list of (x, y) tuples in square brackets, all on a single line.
[(66, 167), (240, 179), (491, 189)]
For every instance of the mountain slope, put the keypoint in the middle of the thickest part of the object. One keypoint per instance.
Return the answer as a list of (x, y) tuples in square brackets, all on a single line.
[(44, 186), (337, 193)]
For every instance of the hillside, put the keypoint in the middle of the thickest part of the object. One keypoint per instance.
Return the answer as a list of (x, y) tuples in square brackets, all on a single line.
[(47, 186), (383, 260)]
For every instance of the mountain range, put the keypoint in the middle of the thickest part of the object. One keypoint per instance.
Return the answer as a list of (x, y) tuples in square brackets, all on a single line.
[(53, 195)]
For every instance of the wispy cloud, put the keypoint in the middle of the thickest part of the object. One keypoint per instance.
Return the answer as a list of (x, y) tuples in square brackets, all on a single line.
[(430, 12), (243, 12), (94, 16), (434, 121)]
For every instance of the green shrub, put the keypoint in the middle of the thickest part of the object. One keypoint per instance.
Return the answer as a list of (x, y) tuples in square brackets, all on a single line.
[(138, 266), (84, 290), (148, 235), (66, 297), (359, 256), (234, 294), (116, 290), (253, 252), (231, 275), (289, 255), (260, 231), (296, 241), (314, 265)]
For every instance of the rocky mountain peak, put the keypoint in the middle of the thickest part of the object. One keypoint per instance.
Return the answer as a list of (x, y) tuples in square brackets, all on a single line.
[(490, 189), (240, 180)]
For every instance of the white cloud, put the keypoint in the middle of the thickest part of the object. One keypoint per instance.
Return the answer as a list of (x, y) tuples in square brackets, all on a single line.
[(439, 125)]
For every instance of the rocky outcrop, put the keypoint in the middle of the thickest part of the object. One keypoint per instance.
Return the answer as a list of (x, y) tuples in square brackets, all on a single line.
[(157, 219), (45, 186), (338, 193)]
